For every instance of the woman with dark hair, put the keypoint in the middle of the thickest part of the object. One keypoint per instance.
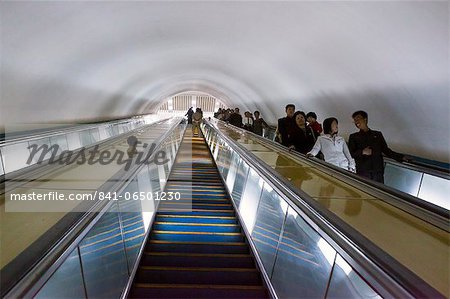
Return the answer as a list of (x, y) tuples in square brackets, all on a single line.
[(301, 137), (333, 147)]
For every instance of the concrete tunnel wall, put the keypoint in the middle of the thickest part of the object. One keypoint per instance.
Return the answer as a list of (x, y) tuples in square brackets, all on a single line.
[(64, 62)]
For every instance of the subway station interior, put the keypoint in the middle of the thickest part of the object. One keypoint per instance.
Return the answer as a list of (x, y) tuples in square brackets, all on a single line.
[(111, 189)]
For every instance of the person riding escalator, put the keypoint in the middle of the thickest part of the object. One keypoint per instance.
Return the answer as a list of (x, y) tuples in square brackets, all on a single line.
[(301, 137), (197, 119)]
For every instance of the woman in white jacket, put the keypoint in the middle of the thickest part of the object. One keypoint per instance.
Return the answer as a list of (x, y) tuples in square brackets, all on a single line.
[(333, 147)]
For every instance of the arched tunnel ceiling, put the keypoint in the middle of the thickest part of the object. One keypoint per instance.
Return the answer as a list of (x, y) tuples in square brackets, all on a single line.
[(72, 61)]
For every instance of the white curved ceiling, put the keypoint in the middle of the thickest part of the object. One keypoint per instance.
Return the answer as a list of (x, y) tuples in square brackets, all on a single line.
[(71, 61)]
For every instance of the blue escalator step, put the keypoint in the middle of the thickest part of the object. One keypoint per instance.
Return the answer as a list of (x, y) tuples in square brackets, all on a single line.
[(196, 219), (196, 227), (196, 236)]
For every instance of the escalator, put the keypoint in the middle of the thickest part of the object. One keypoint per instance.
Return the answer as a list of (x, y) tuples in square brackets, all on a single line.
[(41, 241), (408, 244), (196, 247), (238, 230)]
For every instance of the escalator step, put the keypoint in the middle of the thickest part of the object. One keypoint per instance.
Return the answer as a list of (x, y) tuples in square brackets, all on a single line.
[(187, 195), (198, 275), (201, 200), (198, 212), (200, 205), (144, 290), (196, 236), (197, 260), (197, 247), (195, 219), (196, 227)]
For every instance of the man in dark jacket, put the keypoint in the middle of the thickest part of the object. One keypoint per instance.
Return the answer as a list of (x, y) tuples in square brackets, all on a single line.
[(189, 114), (367, 147), (286, 125), (259, 124), (235, 118)]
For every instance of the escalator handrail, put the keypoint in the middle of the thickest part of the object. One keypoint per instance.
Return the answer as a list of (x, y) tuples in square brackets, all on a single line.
[(429, 212), (41, 168), (363, 255), (66, 130), (251, 243), (30, 284), (438, 172)]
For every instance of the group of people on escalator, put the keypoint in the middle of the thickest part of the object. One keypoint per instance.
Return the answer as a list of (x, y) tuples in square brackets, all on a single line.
[(303, 133), (363, 154), (252, 122)]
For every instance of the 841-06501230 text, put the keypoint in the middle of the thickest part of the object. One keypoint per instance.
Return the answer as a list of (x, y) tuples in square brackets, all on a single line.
[(139, 195)]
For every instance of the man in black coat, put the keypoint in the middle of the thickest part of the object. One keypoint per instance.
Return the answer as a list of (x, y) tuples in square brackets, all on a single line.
[(235, 118), (286, 125), (189, 114), (367, 147)]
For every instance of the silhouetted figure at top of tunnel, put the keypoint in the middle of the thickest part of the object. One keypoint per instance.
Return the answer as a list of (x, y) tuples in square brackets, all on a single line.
[(189, 114), (367, 147), (285, 125)]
